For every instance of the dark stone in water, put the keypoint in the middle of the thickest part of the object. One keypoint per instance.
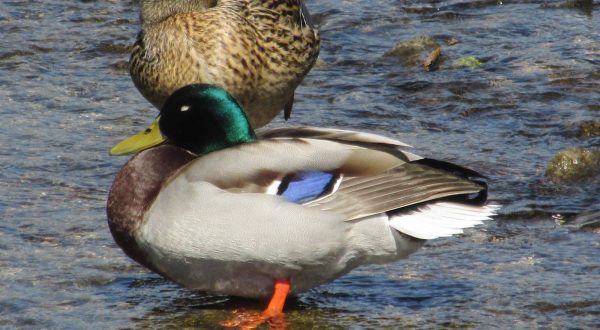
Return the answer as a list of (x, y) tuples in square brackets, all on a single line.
[(112, 48), (410, 51), (121, 67), (573, 164), (588, 221), (589, 128), (586, 6)]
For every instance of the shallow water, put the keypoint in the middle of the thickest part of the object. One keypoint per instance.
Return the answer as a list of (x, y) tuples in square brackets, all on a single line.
[(65, 99)]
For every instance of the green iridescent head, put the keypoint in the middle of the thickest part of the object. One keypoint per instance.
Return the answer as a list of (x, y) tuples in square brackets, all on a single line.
[(198, 118)]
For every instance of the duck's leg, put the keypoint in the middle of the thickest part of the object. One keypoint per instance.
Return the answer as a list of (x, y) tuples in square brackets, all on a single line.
[(275, 307), (273, 310)]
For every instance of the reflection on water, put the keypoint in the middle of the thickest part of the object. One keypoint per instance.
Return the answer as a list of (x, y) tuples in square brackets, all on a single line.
[(66, 98)]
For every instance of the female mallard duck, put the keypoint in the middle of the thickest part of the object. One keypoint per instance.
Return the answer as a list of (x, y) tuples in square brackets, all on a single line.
[(217, 209), (256, 49)]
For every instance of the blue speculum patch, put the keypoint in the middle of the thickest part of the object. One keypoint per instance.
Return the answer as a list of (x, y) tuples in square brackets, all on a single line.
[(306, 186)]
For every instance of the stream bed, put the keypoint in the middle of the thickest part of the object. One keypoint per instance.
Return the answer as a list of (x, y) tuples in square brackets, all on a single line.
[(514, 85)]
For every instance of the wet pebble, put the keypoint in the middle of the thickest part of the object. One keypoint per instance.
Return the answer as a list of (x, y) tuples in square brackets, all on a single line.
[(411, 52), (573, 164), (121, 67), (113, 48), (432, 60), (467, 61), (589, 128), (588, 221)]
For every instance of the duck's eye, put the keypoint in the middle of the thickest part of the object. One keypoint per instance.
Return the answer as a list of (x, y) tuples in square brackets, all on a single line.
[(185, 108)]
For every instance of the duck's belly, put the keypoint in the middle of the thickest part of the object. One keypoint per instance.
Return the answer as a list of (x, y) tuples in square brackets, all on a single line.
[(255, 278), (243, 279), (239, 244)]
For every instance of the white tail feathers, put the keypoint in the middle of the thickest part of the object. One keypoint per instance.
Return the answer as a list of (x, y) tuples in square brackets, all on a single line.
[(441, 219)]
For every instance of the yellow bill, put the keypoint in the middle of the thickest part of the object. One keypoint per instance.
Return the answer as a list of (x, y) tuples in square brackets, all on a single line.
[(145, 139)]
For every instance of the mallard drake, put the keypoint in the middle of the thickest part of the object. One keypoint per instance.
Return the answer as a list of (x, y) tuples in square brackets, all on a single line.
[(258, 50), (220, 208)]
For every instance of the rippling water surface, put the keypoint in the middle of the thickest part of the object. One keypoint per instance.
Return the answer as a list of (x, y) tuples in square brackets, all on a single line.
[(66, 98)]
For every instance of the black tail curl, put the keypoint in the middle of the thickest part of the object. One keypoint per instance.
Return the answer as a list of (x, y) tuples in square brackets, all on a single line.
[(475, 199)]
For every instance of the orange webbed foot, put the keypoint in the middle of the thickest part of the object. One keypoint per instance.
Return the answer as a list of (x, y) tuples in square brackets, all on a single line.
[(272, 314)]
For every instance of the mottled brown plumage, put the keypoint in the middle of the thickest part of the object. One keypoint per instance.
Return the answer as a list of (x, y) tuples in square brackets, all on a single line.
[(257, 50)]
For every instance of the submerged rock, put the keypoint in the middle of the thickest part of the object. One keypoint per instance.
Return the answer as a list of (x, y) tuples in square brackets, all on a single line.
[(451, 41), (589, 128), (579, 3), (410, 52), (113, 48), (467, 61), (586, 6), (574, 164), (588, 221), (120, 67), (432, 59)]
